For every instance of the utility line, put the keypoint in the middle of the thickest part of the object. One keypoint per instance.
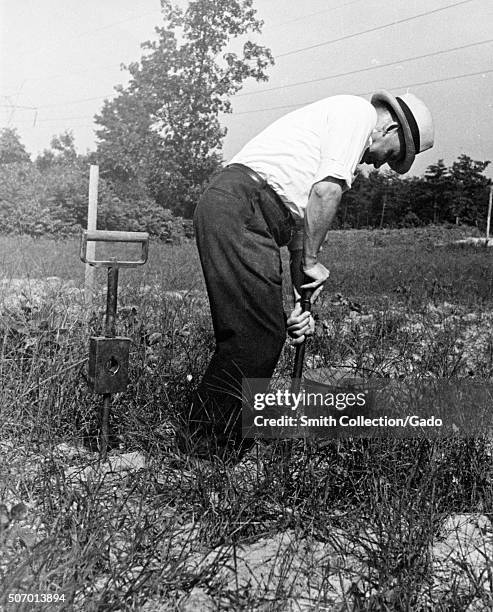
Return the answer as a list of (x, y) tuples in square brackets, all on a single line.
[(50, 77), (75, 101), (88, 70), (325, 78), (84, 33), (115, 23), (375, 29), (48, 127), (110, 66), (259, 110), (416, 84), (50, 119), (288, 53), (18, 106), (358, 70), (335, 8), (450, 78)]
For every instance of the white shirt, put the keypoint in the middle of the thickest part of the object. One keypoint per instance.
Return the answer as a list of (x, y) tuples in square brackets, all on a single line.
[(326, 138)]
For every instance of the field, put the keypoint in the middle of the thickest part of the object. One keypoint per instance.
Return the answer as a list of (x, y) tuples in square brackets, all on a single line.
[(382, 524)]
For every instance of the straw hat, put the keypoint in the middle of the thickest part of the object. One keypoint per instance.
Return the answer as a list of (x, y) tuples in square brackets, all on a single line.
[(417, 125)]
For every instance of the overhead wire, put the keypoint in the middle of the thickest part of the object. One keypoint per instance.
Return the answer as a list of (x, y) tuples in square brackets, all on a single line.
[(404, 86), (18, 106), (366, 69), (89, 69), (417, 84), (115, 23), (75, 101), (297, 19), (56, 44), (50, 119), (51, 77), (355, 71), (309, 81), (294, 51), (374, 29)]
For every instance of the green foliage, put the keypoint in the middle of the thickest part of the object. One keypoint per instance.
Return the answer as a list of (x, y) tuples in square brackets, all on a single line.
[(37, 199), (34, 202), (62, 151), (468, 201), (12, 151), (444, 195), (162, 131), (437, 178), (49, 196)]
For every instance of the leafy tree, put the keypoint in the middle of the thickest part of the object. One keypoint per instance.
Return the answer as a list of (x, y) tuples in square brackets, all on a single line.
[(442, 195), (62, 151), (437, 184), (11, 148), (469, 196), (162, 130), (354, 208)]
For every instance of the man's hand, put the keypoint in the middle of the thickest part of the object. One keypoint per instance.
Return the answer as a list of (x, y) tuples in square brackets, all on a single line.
[(300, 324), (319, 274)]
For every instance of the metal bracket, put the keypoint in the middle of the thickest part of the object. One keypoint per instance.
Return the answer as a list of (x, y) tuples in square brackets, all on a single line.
[(107, 236), (108, 364), (108, 354)]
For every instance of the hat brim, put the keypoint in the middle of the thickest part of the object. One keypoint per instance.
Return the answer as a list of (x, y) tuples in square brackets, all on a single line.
[(404, 164)]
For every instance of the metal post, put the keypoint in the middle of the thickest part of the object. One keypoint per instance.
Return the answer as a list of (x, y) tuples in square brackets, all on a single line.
[(384, 202), (488, 220), (109, 332), (111, 300), (92, 215), (109, 354), (105, 427)]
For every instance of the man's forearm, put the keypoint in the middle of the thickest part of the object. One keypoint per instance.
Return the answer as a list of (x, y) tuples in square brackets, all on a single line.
[(320, 211), (321, 208)]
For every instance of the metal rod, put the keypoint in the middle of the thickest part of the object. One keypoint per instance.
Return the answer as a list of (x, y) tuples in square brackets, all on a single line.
[(488, 220), (299, 360), (384, 203), (105, 426), (94, 235), (111, 301), (109, 332)]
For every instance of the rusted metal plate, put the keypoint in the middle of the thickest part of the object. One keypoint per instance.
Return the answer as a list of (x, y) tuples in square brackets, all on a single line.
[(108, 364)]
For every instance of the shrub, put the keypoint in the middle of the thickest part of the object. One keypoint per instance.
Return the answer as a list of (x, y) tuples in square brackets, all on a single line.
[(52, 199)]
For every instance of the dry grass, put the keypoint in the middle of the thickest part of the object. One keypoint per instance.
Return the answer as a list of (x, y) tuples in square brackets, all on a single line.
[(378, 524)]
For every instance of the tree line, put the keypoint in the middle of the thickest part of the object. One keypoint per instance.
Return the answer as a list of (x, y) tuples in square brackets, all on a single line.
[(457, 194), (159, 141), (49, 195)]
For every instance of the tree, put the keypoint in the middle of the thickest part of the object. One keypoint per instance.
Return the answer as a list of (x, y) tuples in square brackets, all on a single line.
[(163, 129), (62, 151), (356, 205), (438, 186), (470, 188), (11, 148)]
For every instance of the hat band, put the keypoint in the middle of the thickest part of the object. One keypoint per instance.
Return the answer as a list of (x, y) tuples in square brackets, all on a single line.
[(413, 126)]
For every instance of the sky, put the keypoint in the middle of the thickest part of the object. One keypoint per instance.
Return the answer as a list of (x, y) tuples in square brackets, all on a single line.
[(59, 59)]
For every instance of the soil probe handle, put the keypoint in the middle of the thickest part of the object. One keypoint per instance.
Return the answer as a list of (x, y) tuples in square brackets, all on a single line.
[(299, 359)]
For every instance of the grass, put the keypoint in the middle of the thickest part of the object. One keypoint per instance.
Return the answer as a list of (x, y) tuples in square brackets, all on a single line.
[(355, 525)]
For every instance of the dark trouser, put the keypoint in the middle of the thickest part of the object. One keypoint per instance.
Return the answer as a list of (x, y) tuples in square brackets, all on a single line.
[(239, 227)]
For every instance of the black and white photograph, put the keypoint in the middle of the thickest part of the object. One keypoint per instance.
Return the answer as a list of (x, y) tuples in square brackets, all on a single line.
[(246, 306)]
